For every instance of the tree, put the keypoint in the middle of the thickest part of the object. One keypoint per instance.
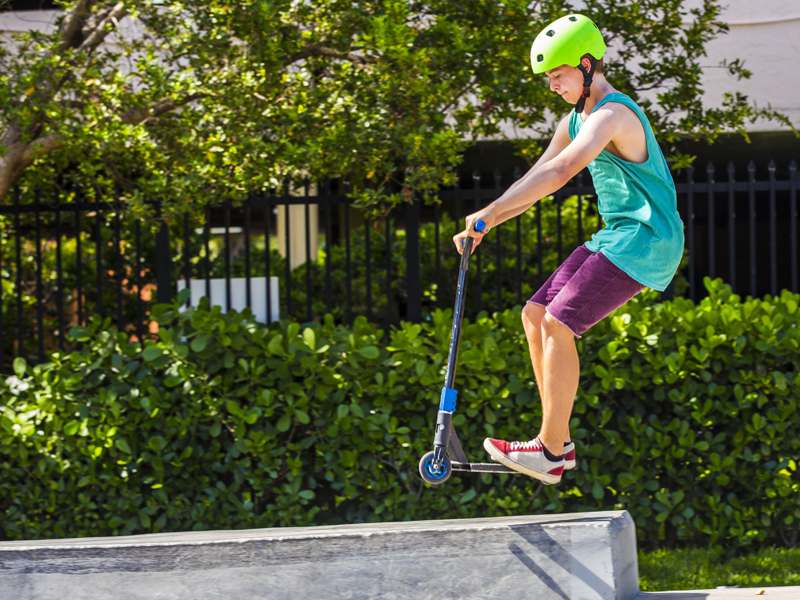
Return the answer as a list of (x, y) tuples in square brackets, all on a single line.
[(194, 101)]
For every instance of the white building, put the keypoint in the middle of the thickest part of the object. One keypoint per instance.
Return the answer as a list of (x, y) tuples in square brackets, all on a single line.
[(766, 36)]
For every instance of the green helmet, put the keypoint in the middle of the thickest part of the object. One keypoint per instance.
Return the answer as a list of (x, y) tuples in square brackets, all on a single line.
[(565, 41)]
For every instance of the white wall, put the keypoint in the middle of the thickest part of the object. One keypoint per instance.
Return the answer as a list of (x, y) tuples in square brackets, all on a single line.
[(766, 36), (28, 20)]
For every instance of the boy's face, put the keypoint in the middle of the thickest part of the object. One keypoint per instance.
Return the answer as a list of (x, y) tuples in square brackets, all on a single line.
[(567, 82)]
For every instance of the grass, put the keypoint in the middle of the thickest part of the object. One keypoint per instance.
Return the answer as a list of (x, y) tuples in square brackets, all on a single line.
[(690, 569)]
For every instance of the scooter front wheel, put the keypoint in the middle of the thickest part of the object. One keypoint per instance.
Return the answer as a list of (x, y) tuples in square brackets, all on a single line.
[(432, 475)]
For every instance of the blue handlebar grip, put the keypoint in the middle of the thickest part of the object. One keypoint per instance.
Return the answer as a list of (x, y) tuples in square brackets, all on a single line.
[(479, 225)]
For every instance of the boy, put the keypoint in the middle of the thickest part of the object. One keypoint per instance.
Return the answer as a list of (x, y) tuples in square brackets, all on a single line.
[(640, 245)]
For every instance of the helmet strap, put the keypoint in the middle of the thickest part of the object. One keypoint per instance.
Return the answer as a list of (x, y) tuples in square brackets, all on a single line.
[(587, 82)]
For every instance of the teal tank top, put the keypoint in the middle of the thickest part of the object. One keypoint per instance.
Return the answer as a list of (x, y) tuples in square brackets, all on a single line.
[(643, 231)]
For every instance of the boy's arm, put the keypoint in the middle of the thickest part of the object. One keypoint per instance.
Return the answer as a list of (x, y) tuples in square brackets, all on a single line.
[(551, 173)]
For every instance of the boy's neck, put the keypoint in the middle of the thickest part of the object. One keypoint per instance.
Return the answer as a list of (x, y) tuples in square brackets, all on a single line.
[(599, 90)]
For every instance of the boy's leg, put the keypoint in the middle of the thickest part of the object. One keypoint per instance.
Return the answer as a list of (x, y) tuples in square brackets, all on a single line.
[(533, 315), (561, 367), (596, 290), (582, 291)]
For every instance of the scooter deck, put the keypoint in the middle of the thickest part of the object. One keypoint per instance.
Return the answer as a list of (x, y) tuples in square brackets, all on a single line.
[(459, 462), (482, 468)]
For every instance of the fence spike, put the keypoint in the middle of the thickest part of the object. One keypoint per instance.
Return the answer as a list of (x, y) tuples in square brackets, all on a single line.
[(731, 171), (498, 179), (751, 169)]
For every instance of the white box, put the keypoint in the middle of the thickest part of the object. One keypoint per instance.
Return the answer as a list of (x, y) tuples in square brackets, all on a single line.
[(258, 295)]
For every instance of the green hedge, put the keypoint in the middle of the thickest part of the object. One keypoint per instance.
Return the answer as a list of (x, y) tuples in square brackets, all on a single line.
[(686, 416)]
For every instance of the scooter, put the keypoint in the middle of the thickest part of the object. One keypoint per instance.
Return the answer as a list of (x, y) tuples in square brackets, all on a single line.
[(447, 455)]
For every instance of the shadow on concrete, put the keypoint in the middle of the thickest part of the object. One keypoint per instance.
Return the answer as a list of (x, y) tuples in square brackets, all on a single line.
[(536, 536), (537, 570)]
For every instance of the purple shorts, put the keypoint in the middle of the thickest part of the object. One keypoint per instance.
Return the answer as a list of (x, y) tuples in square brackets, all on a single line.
[(585, 289)]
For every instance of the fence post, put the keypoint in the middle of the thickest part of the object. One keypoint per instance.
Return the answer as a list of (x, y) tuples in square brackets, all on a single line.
[(163, 256), (413, 286)]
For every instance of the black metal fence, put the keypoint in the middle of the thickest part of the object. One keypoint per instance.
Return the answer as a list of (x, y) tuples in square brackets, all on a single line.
[(61, 262)]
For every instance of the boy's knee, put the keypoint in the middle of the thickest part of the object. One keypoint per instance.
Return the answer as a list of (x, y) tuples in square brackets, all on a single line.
[(552, 326), (532, 316)]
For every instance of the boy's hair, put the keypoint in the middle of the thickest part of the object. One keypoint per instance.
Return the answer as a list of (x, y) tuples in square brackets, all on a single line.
[(599, 67)]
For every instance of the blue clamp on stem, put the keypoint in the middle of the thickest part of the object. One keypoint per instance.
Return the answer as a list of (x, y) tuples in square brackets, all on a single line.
[(448, 400)]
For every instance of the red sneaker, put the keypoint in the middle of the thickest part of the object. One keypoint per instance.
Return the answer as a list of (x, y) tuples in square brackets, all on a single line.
[(525, 457)]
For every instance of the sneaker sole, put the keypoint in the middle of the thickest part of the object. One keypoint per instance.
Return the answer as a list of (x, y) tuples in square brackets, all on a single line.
[(498, 456)]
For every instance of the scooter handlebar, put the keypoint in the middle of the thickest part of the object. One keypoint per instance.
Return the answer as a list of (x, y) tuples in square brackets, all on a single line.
[(479, 226)]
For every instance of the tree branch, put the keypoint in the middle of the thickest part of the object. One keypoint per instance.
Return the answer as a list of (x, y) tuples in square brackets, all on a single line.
[(460, 94), (158, 108), (19, 156), (11, 135), (646, 88), (318, 50), (101, 31), (72, 25), (39, 147)]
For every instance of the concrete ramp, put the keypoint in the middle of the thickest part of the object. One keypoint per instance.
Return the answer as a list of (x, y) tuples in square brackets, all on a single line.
[(579, 556)]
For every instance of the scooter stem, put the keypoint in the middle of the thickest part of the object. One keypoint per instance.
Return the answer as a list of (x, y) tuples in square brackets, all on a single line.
[(447, 404)]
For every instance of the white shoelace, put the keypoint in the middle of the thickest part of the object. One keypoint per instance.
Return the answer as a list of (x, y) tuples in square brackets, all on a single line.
[(529, 445)]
